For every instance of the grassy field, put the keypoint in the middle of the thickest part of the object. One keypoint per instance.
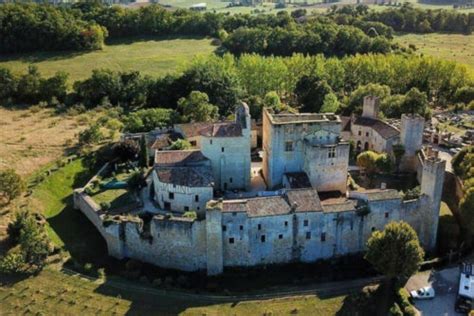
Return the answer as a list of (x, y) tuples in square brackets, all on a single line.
[(34, 137), (149, 56), (54, 293), (67, 227), (454, 47)]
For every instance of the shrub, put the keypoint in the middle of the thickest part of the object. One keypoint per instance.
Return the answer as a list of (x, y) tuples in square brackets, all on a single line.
[(412, 194), (395, 310), (12, 262), (104, 206), (190, 214), (92, 135), (11, 185)]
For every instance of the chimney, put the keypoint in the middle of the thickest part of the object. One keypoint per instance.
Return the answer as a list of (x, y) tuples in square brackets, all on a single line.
[(383, 186)]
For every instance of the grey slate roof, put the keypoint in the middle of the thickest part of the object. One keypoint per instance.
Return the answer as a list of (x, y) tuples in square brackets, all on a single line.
[(225, 129), (383, 129), (379, 194), (305, 200), (302, 200)]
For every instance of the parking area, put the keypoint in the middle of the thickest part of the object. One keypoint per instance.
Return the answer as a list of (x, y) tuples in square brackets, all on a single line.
[(445, 284)]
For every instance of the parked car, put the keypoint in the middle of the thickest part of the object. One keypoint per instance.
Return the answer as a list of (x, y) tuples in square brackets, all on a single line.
[(454, 150), (424, 293)]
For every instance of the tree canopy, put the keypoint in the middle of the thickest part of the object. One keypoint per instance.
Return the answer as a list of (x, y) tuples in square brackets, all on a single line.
[(11, 185), (395, 251)]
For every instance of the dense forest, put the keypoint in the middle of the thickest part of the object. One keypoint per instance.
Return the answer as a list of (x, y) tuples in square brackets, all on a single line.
[(405, 19), (345, 31), (311, 83)]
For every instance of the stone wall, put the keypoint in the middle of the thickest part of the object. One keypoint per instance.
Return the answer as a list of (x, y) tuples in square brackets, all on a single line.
[(168, 243), (193, 198), (326, 172), (92, 211), (230, 159)]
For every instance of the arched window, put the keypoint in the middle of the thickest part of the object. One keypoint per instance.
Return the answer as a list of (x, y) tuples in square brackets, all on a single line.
[(366, 146)]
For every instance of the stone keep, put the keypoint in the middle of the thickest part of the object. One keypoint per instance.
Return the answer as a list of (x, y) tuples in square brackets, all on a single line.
[(411, 137), (432, 186)]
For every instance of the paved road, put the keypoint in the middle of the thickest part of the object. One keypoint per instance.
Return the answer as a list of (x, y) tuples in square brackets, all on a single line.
[(445, 284)]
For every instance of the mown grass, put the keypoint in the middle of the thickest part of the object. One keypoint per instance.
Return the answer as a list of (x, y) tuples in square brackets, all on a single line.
[(68, 228), (455, 47), (116, 197), (150, 56), (54, 293)]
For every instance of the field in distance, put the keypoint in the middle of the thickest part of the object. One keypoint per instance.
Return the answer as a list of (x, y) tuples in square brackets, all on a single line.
[(456, 47), (149, 56)]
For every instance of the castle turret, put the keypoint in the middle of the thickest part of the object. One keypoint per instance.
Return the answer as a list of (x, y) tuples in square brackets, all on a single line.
[(411, 137), (432, 186), (215, 259), (371, 107)]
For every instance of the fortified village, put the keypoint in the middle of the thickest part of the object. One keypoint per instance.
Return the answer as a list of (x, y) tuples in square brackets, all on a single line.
[(293, 206)]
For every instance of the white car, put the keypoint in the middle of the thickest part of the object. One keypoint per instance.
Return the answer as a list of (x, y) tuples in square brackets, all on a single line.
[(424, 293)]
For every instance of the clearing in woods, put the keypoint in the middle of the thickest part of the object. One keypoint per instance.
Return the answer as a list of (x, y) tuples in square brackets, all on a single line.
[(455, 47), (150, 56)]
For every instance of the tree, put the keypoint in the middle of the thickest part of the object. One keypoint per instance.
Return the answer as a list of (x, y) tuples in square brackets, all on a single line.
[(415, 102), (395, 251), (8, 84), (310, 92), (11, 185), (330, 104), (383, 163), (127, 150), (136, 181), (356, 98), (91, 135), (148, 119), (368, 161), (463, 94), (398, 152), (196, 108), (34, 243), (180, 144), (144, 156)]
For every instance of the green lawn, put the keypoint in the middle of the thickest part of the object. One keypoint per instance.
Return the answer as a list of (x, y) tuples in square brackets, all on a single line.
[(116, 197), (68, 228), (454, 47), (149, 56)]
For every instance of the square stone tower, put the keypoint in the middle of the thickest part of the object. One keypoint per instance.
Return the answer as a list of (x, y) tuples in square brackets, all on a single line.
[(432, 186), (411, 137), (371, 107)]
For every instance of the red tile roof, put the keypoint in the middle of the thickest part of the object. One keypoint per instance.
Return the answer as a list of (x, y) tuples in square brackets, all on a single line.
[(178, 157)]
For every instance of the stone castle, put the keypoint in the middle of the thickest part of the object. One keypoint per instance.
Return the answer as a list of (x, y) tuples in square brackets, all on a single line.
[(305, 211)]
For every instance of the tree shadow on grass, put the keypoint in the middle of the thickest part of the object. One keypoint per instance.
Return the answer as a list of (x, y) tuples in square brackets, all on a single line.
[(368, 301), (150, 38), (81, 239), (37, 57)]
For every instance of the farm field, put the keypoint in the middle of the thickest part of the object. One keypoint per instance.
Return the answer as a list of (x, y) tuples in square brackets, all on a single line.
[(149, 56), (32, 138), (55, 293), (454, 47)]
